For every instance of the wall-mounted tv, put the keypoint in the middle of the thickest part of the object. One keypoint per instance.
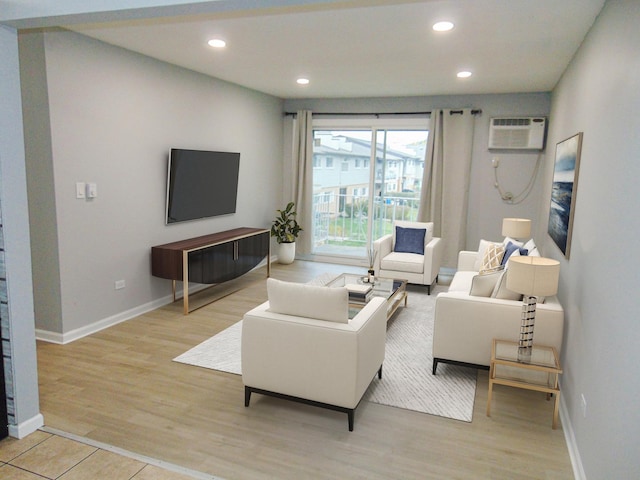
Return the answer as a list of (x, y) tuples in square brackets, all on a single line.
[(201, 184)]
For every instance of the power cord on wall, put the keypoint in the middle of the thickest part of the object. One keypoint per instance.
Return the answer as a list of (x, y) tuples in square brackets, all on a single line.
[(508, 197)]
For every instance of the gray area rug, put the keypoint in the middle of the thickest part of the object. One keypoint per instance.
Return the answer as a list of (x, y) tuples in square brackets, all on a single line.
[(406, 382)]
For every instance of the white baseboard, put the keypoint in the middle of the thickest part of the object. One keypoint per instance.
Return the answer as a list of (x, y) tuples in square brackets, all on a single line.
[(26, 428), (64, 338), (570, 439)]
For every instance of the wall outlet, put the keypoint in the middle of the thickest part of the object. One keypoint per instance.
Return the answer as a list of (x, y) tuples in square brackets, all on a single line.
[(120, 284), (584, 406)]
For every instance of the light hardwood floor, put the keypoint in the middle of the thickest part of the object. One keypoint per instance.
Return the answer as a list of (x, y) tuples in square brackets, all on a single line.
[(120, 387)]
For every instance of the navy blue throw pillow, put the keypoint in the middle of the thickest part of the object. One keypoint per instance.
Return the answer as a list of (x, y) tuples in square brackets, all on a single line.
[(510, 249), (410, 240)]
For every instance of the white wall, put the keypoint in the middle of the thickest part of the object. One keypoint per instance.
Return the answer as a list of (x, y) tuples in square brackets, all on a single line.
[(486, 209), (114, 115), (599, 94)]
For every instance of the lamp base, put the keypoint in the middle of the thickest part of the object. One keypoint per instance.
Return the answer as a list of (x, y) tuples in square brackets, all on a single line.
[(525, 343)]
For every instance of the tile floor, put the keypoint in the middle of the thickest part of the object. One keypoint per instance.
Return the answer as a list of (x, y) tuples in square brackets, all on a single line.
[(59, 456)]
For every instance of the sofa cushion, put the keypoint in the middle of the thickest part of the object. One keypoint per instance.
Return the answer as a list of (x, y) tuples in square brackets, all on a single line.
[(409, 240), (461, 281), (492, 259), (310, 301), (403, 262), (501, 291), (483, 285)]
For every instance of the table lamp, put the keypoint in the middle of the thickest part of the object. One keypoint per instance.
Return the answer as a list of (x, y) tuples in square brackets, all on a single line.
[(516, 227), (533, 277)]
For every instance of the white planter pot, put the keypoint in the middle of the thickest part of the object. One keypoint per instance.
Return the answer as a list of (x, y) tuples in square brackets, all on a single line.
[(286, 252)]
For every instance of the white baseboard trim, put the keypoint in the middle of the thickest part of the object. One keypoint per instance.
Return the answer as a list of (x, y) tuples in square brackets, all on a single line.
[(64, 338), (26, 428), (570, 439)]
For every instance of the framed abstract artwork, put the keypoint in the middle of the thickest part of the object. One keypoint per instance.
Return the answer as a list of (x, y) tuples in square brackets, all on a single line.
[(563, 191)]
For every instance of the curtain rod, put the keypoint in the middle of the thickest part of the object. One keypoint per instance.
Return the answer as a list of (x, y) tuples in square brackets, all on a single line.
[(378, 114)]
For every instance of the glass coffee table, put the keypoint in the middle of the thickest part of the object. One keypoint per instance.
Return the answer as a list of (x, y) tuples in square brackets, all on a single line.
[(394, 291)]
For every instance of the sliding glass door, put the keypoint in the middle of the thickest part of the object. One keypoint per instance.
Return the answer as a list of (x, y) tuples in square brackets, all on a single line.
[(364, 179)]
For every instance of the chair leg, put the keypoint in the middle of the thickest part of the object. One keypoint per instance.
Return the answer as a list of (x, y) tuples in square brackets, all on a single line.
[(350, 415), (247, 396)]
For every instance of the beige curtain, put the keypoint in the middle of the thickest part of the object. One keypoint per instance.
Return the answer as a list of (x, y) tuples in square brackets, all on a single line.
[(302, 178), (445, 187)]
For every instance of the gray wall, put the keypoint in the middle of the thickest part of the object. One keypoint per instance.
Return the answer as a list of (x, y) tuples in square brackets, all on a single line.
[(599, 94), (486, 208), (113, 116)]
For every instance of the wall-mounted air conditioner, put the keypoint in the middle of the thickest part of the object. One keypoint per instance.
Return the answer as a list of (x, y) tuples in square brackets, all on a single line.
[(517, 133)]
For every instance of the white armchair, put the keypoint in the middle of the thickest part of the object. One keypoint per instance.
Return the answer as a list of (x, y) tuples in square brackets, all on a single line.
[(408, 257), (301, 346)]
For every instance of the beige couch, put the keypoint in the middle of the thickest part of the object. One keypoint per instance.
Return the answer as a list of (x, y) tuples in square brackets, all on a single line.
[(465, 324), (300, 345)]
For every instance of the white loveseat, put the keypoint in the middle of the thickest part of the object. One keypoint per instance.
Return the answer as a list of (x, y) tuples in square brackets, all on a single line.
[(417, 268), (465, 324), (300, 345)]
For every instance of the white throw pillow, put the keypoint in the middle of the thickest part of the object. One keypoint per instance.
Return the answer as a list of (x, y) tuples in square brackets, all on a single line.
[(483, 285), (506, 241), (501, 291), (310, 301), (530, 245)]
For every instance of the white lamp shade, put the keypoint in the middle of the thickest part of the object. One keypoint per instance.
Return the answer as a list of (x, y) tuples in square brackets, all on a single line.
[(533, 276), (516, 227)]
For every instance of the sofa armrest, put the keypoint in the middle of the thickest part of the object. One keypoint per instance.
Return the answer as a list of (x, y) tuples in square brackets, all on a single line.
[(433, 252), (382, 247), (467, 260)]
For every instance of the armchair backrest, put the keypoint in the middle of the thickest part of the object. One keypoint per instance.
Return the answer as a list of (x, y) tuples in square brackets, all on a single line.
[(428, 226)]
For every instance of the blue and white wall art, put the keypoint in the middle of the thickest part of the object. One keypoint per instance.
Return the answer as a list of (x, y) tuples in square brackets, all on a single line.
[(563, 191)]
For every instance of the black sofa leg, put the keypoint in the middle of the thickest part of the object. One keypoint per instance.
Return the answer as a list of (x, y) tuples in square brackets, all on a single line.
[(247, 396), (350, 415), (435, 366), (380, 372)]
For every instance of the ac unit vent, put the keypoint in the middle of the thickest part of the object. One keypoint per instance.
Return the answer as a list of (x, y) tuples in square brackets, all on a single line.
[(517, 133)]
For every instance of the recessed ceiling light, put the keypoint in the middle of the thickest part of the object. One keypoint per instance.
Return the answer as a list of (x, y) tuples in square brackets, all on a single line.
[(443, 26), (464, 74), (302, 81), (217, 43)]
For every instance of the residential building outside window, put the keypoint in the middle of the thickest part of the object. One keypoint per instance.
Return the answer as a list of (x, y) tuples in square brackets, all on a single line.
[(356, 204)]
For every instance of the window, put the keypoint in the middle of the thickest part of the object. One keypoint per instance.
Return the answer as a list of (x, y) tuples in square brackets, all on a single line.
[(377, 182)]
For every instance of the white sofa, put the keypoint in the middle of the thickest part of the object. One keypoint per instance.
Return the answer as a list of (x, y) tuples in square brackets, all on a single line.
[(464, 324), (421, 269), (300, 345)]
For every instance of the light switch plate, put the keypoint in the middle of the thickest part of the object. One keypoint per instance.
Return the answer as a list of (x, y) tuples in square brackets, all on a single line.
[(80, 190)]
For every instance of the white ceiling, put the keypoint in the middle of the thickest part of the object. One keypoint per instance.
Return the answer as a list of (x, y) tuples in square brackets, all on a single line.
[(386, 48)]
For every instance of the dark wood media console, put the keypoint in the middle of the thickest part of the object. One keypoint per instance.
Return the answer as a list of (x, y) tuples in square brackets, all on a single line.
[(211, 259)]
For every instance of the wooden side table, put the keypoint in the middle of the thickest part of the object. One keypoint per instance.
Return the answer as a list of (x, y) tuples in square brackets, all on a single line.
[(538, 372)]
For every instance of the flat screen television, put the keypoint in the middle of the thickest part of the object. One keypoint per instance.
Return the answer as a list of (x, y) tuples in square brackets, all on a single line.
[(201, 184)]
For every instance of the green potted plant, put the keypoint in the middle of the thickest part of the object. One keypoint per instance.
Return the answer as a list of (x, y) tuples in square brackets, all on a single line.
[(285, 229)]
